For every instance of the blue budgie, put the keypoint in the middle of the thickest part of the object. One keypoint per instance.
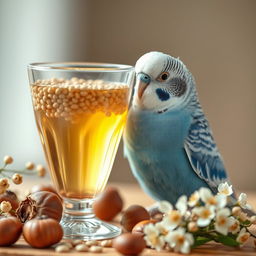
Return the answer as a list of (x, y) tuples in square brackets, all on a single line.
[(168, 141)]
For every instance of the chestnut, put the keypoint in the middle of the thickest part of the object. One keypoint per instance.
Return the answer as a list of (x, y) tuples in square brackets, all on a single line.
[(108, 204), (132, 215), (129, 244), (41, 187), (38, 204), (10, 230), (42, 232)]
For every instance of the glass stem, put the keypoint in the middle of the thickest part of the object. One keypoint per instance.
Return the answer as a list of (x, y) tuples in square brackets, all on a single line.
[(77, 208)]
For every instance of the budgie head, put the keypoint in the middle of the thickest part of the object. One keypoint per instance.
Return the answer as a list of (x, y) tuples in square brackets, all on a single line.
[(163, 83)]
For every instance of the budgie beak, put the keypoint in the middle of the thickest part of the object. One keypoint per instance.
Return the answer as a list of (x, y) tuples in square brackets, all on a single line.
[(143, 81)]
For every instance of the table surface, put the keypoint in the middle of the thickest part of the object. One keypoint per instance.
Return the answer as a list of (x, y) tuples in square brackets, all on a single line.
[(132, 194)]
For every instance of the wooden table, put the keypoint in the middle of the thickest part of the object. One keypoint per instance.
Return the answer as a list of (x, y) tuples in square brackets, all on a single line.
[(132, 194)]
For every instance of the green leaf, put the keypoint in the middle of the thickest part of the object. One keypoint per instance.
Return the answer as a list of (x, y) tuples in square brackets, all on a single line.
[(227, 240), (200, 241), (245, 223)]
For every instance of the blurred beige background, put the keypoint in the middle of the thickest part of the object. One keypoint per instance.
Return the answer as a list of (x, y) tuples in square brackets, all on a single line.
[(216, 39)]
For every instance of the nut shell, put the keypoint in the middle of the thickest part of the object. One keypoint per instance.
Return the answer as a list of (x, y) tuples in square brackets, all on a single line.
[(39, 204), (108, 204), (133, 215), (42, 232), (10, 230), (129, 244)]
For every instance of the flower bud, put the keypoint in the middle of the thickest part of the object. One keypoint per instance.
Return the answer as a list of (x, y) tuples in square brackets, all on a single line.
[(17, 178), (236, 210), (253, 219), (30, 166), (192, 227), (5, 206), (40, 170), (242, 216), (8, 159), (4, 184)]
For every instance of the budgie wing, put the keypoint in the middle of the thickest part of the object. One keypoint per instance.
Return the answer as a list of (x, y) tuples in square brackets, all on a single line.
[(203, 153)]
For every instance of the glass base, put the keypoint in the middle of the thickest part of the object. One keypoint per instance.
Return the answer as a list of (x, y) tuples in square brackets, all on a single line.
[(79, 222)]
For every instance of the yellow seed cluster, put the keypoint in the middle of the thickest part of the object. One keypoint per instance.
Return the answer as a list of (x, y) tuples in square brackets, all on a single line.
[(59, 98)]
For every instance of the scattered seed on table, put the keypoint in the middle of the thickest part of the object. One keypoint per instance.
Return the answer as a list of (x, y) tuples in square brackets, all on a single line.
[(62, 248), (106, 243), (82, 248), (77, 241), (92, 242), (96, 249)]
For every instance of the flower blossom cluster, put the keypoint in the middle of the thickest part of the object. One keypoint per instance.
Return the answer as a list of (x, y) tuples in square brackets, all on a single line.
[(16, 175), (201, 218)]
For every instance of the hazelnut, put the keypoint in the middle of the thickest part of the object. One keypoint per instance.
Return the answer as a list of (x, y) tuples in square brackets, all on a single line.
[(132, 215), (129, 244), (108, 204)]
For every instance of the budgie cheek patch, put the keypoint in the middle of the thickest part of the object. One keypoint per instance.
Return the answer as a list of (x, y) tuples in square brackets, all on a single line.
[(162, 94)]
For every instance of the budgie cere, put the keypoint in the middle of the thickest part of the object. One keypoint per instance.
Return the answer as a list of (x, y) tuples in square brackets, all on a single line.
[(168, 141)]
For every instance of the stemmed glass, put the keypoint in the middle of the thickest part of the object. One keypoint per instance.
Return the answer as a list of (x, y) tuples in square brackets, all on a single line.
[(80, 111)]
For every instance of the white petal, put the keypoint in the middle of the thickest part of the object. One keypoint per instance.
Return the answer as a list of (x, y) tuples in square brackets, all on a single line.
[(223, 212), (164, 206), (223, 229), (168, 224), (221, 200), (193, 199), (225, 189), (185, 248), (189, 237), (181, 204), (180, 231), (150, 229), (205, 194), (203, 222)]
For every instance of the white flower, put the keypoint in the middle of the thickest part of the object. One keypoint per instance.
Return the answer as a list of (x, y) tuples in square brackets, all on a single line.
[(225, 189), (235, 227), (181, 204), (161, 227), (153, 237), (205, 215), (164, 206), (223, 221), (193, 199), (208, 198), (5, 206), (180, 240), (242, 201), (242, 236), (172, 219)]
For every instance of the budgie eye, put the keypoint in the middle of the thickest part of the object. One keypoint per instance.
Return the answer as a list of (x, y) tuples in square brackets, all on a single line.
[(163, 77)]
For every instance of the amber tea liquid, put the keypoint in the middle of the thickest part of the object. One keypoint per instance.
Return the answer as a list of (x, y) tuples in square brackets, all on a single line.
[(80, 124)]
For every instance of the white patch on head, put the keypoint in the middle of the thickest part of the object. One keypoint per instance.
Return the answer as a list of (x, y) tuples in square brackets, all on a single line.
[(152, 64)]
